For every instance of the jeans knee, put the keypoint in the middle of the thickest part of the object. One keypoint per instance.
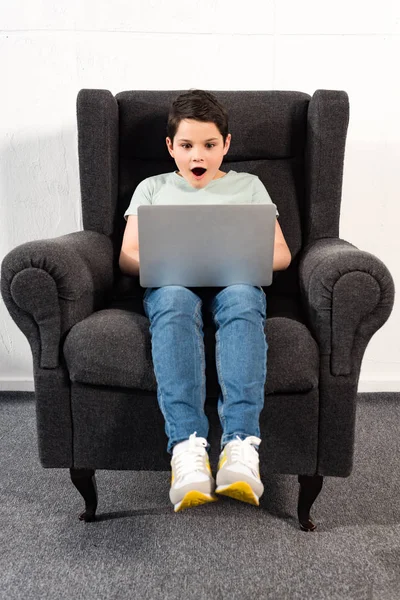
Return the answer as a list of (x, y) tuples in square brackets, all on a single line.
[(173, 297), (240, 295)]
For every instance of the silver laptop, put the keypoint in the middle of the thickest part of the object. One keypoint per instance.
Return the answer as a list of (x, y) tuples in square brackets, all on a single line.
[(206, 245)]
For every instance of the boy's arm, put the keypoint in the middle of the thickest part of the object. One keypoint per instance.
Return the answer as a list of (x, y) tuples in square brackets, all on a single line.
[(129, 261), (282, 255)]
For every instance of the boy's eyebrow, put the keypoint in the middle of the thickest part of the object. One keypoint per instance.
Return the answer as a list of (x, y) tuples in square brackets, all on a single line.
[(209, 140)]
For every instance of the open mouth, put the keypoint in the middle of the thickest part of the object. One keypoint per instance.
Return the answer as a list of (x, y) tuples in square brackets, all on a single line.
[(198, 171)]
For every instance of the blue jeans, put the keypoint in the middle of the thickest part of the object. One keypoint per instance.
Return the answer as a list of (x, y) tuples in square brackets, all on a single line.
[(177, 340)]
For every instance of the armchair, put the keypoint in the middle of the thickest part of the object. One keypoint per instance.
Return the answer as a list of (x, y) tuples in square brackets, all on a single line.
[(95, 388)]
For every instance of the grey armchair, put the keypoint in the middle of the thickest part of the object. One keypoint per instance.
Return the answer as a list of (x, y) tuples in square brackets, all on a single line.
[(95, 388)]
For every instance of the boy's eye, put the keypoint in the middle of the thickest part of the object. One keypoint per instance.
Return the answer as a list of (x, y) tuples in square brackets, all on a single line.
[(185, 145)]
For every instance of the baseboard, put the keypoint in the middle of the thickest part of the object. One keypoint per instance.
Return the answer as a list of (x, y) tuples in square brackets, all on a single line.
[(365, 385), (20, 384), (377, 384)]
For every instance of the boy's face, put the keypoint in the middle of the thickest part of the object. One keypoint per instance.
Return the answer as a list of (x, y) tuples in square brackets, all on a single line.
[(198, 144)]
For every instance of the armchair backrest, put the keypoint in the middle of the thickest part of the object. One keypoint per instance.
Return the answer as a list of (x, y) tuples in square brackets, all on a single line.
[(294, 142)]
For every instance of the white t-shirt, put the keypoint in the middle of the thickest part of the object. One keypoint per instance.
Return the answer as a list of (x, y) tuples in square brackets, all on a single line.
[(171, 188)]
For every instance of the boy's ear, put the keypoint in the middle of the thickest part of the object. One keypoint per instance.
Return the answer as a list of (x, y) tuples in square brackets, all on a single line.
[(227, 143), (169, 146)]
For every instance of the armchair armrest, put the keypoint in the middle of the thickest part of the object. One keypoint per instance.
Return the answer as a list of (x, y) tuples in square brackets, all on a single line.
[(50, 285), (348, 295)]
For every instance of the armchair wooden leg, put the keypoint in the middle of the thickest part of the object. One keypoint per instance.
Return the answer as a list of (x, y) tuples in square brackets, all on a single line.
[(310, 487), (85, 482)]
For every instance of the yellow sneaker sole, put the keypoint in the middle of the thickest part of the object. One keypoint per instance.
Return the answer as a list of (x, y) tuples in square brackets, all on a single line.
[(240, 490), (192, 499)]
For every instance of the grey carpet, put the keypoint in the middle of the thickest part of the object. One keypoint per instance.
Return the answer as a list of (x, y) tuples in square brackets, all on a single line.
[(227, 550)]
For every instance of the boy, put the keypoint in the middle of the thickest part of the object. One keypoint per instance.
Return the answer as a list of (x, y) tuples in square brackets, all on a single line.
[(198, 139)]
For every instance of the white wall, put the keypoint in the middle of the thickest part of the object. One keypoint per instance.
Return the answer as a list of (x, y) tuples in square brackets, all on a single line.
[(49, 51)]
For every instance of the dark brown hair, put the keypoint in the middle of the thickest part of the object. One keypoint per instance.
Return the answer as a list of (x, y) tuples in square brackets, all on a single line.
[(201, 106)]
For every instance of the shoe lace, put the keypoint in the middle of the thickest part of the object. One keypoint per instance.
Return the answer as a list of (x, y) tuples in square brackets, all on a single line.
[(242, 451), (192, 458)]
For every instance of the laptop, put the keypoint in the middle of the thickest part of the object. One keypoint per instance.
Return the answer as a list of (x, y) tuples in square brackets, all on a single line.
[(206, 245)]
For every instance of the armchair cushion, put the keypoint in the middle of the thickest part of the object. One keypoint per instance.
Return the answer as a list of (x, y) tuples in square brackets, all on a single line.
[(112, 347)]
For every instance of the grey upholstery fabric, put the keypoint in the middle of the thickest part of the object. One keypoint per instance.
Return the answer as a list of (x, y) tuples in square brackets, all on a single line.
[(95, 387), (125, 358), (49, 285)]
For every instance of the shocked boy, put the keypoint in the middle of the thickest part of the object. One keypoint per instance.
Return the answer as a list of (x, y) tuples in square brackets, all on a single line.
[(198, 140)]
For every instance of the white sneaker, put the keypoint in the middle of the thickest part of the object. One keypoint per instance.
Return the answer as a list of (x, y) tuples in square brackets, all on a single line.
[(238, 474), (192, 482)]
